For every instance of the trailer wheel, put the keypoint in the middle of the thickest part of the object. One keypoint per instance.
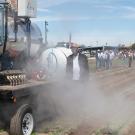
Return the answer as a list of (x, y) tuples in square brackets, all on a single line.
[(22, 123)]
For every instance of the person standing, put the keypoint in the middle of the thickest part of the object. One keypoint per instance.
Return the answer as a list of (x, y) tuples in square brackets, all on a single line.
[(98, 63), (130, 58), (112, 55), (107, 60), (77, 67)]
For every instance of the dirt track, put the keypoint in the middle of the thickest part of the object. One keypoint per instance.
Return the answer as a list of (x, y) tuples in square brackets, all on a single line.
[(117, 84), (118, 81)]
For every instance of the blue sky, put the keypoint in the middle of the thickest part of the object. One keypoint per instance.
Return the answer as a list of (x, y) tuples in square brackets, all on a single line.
[(89, 21)]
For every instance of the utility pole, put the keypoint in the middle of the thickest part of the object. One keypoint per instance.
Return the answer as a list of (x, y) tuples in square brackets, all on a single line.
[(46, 31), (97, 43), (70, 39)]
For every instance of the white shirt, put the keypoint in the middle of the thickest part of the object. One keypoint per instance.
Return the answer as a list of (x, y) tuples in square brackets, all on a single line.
[(76, 68), (102, 55), (111, 55), (99, 55)]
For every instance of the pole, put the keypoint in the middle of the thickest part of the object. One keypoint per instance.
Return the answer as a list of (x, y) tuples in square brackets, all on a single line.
[(6, 27), (46, 31), (15, 26), (28, 31), (70, 38)]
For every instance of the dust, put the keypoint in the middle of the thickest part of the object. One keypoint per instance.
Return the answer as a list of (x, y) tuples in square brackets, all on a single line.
[(76, 102), (79, 102)]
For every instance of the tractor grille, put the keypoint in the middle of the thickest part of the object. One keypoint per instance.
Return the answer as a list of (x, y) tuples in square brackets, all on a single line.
[(12, 77)]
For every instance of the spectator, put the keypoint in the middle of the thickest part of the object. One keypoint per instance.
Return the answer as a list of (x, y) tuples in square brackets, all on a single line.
[(77, 65), (130, 58)]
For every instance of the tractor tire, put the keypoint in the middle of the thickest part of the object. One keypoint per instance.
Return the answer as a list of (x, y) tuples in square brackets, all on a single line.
[(22, 123)]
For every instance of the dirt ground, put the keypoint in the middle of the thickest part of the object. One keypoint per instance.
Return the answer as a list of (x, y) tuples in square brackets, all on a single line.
[(114, 116)]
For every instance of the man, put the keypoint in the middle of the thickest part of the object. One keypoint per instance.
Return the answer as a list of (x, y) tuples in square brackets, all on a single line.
[(130, 58), (112, 55), (107, 59), (77, 68), (98, 59)]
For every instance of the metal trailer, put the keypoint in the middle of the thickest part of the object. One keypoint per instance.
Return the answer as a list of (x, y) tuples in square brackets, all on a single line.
[(18, 107)]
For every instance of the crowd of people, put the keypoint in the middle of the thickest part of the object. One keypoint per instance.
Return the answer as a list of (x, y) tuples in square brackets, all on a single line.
[(104, 59), (127, 55)]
